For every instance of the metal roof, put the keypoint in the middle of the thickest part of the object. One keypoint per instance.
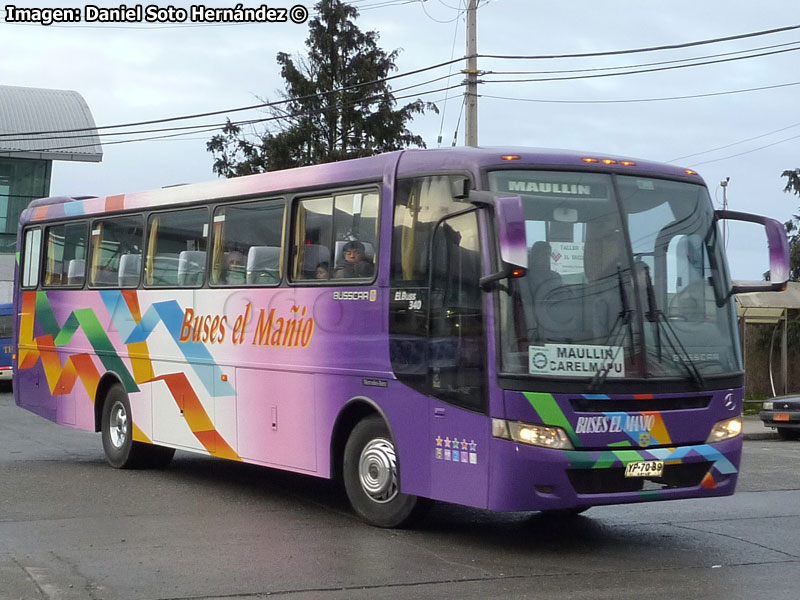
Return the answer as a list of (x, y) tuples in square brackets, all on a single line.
[(30, 116), (789, 298), (768, 307)]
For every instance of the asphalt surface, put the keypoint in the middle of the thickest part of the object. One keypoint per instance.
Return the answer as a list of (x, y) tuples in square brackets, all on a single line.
[(73, 528)]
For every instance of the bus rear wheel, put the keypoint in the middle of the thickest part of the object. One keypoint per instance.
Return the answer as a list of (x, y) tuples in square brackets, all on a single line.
[(117, 432), (372, 478)]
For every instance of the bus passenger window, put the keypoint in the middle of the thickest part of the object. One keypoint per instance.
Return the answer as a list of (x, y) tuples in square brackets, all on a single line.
[(247, 244), (32, 252), (335, 237), (116, 252), (65, 255), (176, 248)]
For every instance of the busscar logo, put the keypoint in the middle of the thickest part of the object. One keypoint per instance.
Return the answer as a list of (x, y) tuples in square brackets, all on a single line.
[(365, 295)]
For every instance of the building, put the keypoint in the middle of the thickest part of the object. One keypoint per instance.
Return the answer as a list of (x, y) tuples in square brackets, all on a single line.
[(37, 126)]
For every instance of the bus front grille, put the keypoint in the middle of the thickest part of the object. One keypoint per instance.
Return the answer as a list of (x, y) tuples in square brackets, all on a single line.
[(613, 481), (599, 405)]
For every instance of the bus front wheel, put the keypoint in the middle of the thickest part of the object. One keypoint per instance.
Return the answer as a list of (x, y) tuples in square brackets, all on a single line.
[(371, 477), (117, 432)]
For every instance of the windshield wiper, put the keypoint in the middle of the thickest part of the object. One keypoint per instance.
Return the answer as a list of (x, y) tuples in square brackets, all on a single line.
[(655, 315), (623, 318)]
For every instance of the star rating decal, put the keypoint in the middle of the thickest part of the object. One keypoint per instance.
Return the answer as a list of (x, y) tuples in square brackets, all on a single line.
[(456, 450)]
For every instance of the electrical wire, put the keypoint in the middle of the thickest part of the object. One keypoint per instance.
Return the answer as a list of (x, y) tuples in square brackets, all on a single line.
[(646, 49), (239, 109), (249, 122), (705, 162), (427, 14), (40, 138), (450, 70), (636, 66), (757, 137), (640, 71), (631, 100)]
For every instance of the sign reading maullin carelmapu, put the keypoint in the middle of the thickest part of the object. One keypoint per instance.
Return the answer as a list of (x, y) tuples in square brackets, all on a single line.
[(575, 360)]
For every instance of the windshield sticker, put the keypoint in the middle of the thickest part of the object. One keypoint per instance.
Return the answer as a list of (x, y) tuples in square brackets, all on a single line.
[(567, 257), (576, 360)]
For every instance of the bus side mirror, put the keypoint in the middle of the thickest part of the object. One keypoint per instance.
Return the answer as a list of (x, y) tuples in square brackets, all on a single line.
[(510, 221), (778, 253)]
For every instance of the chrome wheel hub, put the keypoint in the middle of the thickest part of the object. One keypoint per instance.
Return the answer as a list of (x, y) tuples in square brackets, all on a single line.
[(377, 470), (118, 425)]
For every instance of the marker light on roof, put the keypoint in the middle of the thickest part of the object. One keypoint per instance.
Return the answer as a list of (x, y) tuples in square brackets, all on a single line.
[(690, 172), (608, 161), (627, 163), (510, 157), (589, 160)]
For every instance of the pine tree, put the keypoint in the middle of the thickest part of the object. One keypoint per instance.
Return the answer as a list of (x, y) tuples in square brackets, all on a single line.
[(338, 104), (793, 226)]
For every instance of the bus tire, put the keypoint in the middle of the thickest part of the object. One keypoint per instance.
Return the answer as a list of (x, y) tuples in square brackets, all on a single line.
[(372, 479), (116, 428)]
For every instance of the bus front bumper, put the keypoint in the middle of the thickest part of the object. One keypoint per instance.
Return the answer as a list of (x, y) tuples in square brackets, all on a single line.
[(532, 478)]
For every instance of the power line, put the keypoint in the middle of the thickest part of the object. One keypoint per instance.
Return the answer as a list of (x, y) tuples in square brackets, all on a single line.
[(705, 162), (636, 66), (640, 71), (632, 100), (232, 110), (427, 14), (757, 137), (449, 71), (192, 128), (249, 122), (647, 49)]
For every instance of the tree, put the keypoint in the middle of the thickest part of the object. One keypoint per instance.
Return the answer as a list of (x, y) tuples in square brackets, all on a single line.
[(337, 104), (793, 226)]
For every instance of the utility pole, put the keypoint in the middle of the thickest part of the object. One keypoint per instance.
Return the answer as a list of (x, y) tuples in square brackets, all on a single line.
[(471, 98), (724, 186)]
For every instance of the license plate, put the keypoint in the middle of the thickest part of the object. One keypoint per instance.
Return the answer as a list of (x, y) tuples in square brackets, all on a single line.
[(781, 416), (645, 468)]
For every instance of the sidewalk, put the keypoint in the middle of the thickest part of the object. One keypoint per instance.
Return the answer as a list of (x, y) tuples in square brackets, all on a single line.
[(753, 429)]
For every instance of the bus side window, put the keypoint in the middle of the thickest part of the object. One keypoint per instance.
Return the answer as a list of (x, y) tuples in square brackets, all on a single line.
[(31, 253), (65, 255), (116, 252), (324, 226), (247, 242), (176, 248)]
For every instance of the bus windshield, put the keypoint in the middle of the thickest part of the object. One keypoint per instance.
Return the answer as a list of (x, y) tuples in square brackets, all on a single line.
[(626, 279)]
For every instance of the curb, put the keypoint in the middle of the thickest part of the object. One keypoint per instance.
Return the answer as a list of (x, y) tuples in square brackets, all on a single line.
[(767, 434)]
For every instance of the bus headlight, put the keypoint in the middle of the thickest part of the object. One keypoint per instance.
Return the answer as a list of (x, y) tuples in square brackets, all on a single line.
[(725, 430), (767, 406), (533, 435)]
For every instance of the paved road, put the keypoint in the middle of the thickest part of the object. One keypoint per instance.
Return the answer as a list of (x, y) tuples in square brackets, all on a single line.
[(73, 528)]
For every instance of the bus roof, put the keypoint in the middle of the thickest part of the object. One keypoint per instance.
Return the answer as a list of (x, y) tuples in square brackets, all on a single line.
[(403, 162)]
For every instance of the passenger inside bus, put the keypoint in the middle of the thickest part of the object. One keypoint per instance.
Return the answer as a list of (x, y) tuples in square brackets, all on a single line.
[(354, 262), (322, 271), (233, 271)]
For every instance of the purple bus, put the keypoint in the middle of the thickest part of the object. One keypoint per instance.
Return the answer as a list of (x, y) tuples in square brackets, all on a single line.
[(515, 329)]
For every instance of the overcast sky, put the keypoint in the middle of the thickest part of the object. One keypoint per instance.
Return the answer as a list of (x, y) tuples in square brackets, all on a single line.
[(141, 71)]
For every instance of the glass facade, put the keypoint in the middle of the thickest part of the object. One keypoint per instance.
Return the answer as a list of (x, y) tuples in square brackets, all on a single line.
[(21, 180)]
